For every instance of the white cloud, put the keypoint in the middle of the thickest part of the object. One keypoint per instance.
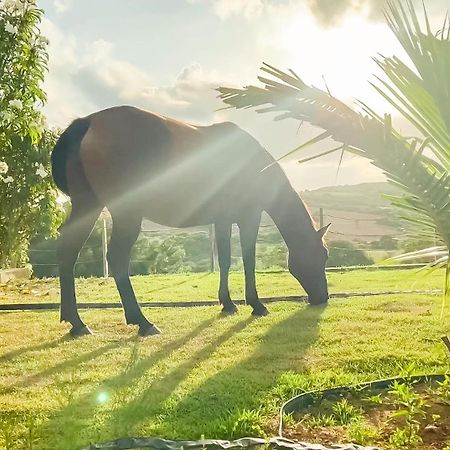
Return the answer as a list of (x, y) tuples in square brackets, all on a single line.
[(86, 78), (61, 5), (247, 8), (225, 9)]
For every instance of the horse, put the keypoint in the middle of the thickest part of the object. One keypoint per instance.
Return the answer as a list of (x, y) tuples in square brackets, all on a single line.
[(139, 164)]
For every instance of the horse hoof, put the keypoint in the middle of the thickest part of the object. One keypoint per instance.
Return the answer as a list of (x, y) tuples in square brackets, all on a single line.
[(229, 310), (80, 331), (318, 305), (260, 311), (148, 330)]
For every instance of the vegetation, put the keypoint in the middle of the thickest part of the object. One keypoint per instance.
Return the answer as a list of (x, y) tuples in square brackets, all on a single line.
[(206, 374), (27, 202), (344, 253), (407, 415), (194, 287), (349, 207), (420, 167)]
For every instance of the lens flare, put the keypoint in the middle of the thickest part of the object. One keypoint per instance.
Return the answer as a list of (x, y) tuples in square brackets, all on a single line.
[(102, 397)]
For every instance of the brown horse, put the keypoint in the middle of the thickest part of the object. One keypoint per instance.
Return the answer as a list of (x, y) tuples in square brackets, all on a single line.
[(139, 164)]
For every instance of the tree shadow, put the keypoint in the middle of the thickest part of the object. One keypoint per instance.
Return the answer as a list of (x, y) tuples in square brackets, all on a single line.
[(71, 420), (243, 386)]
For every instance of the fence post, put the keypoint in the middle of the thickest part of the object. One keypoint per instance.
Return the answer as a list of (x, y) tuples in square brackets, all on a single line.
[(212, 246), (105, 249), (320, 217)]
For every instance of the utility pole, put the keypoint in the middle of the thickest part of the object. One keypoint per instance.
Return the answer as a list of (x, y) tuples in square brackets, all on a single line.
[(213, 249), (104, 245)]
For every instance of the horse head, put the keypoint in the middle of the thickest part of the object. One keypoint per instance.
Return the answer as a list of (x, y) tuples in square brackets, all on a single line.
[(307, 263)]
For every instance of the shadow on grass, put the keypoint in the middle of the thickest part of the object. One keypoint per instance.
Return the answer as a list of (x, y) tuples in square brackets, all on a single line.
[(68, 364), (32, 348), (64, 428), (211, 408), (204, 411), (150, 402)]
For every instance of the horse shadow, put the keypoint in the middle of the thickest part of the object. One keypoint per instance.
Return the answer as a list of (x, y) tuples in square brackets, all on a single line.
[(72, 426), (246, 385), (47, 345)]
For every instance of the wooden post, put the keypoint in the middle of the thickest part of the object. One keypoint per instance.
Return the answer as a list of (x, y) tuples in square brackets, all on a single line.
[(105, 249), (321, 217), (212, 246)]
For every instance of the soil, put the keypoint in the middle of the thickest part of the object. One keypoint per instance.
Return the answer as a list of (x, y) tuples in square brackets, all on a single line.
[(434, 425)]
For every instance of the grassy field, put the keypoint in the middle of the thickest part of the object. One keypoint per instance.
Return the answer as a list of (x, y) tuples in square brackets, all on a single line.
[(192, 286), (206, 374)]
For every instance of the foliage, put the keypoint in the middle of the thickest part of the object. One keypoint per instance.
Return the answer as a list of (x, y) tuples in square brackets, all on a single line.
[(410, 407), (345, 413), (418, 166), (164, 255), (319, 420), (385, 243), (345, 253), (27, 200), (361, 433), (247, 422)]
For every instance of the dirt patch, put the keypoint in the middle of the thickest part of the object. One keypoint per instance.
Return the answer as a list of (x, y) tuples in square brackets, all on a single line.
[(405, 416)]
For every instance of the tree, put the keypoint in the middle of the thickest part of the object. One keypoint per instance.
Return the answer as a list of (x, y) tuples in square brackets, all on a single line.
[(345, 253), (27, 199), (418, 166)]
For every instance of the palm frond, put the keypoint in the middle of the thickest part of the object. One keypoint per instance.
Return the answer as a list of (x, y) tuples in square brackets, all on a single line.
[(419, 166)]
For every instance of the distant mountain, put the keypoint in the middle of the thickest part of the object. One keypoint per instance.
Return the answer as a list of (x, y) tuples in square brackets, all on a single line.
[(363, 198), (357, 212)]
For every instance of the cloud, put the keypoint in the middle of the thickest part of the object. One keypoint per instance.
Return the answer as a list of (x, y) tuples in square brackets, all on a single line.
[(225, 9), (246, 8), (86, 78), (331, 12), (61, 5)]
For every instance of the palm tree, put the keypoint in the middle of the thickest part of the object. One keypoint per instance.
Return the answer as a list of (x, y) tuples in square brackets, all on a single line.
[(419, 166)]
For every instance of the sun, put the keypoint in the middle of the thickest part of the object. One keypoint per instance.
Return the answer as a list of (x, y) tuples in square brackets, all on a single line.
[(338, 57)]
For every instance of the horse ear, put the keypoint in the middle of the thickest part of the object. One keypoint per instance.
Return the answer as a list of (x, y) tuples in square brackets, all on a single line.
[(323, 231)]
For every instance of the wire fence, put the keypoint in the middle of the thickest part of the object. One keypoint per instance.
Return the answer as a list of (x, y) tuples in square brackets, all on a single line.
[(269, 238)]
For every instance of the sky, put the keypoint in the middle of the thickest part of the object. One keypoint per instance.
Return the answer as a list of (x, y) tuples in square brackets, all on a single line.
[(168, 56)]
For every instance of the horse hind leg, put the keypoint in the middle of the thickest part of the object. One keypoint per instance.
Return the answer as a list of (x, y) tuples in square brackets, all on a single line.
[(126, 228), (223, 238), (73, 234)]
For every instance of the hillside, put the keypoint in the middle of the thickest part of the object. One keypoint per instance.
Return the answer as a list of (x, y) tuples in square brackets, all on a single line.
[(360, 198)]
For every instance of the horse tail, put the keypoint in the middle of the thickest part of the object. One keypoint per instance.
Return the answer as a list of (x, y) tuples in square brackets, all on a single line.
[(68, 143)]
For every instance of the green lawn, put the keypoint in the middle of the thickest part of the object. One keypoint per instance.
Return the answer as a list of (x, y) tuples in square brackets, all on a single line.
[(206, 374), (193, 286)]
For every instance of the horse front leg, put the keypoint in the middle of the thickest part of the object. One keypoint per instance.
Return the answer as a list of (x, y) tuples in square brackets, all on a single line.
[(248, 229), (223, 240)]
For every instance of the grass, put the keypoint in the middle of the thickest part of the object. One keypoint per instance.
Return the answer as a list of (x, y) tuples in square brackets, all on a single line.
[(193, 286), (206, 374)]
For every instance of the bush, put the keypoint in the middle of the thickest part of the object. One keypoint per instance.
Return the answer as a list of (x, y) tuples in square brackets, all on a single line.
[(344, 253), (27, 201)]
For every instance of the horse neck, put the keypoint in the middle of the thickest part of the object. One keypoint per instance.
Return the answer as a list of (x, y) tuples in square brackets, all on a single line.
[(287, 210)]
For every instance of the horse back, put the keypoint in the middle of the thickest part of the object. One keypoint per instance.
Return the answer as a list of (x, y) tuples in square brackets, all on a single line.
[(163, 166)]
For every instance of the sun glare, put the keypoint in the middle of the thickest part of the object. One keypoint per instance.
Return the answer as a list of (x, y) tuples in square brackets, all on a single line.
[(340, 56)]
